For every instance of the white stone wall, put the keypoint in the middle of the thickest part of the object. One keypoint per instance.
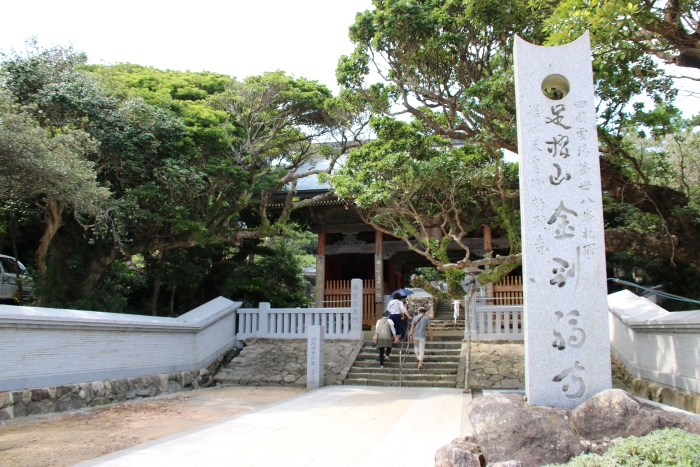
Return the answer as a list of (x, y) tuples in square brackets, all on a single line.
[(45, 347), (655, 344)]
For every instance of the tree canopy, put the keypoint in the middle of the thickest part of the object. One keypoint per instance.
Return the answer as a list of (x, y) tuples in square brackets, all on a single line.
[(449, 66), (169, 159)]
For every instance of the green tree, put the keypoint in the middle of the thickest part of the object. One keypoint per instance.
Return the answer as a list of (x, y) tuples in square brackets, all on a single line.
[(190, 158), (667, 30), (47, 169), (417, 186), (268, 275), (449, 65)]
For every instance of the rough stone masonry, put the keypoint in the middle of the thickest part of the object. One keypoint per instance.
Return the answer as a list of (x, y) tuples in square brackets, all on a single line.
[(264, 362), (567, 347)]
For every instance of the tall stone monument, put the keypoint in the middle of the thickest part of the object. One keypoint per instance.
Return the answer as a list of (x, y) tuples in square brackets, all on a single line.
[(314, 357), (567, 347)]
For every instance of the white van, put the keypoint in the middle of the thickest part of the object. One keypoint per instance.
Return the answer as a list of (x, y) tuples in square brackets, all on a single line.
[(8, 274)]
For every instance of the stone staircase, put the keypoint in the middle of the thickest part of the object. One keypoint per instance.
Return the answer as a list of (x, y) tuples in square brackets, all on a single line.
[(443, 320), (440, 366)]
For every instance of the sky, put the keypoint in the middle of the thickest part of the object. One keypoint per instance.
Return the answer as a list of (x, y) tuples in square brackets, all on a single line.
[(238, 38)]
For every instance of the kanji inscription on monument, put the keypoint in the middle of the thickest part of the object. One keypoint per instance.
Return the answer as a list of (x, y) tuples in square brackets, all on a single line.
[(314, 356), (567, 347)]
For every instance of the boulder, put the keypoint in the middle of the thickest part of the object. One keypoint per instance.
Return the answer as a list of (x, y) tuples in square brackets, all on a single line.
[(40, 394), (461, 452), (506, 464), (616, 414), (507, 429), (69, 401), (6, 399), (6, 414), (40, 407), (173, 387)]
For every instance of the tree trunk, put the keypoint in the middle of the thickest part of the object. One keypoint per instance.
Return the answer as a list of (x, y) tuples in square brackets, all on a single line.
[(156, 285), (95, 269), (53, 220), (18, 270), (468, 332), (172, 298)]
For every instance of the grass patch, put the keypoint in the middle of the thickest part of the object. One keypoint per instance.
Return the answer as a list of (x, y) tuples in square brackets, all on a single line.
[(667, 447)]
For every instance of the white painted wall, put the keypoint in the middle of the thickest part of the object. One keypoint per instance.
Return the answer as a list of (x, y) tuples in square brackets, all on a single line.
[(653, 343), (46, 347)]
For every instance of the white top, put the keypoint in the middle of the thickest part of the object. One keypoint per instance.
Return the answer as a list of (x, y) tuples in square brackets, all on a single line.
[(391, 325), (396, 307)]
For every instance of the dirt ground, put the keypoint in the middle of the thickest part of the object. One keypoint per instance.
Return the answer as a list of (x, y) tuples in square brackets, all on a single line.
[(67, 438)]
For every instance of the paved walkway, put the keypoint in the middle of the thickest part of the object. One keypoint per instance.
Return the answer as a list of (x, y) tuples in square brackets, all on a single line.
[(332, 426)]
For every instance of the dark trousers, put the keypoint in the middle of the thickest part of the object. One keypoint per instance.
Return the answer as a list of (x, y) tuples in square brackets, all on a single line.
[(381, 354)]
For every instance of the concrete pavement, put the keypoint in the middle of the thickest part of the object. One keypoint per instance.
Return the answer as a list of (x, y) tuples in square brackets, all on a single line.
[(332, 426)]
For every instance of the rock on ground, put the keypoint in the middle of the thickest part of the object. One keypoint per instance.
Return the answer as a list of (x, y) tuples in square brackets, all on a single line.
[(461, 452), (616, 414), (509, 433), (506, 428)]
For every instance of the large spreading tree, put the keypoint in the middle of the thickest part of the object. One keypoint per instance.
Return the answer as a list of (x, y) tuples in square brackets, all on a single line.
[(449, 66), (190, 159)]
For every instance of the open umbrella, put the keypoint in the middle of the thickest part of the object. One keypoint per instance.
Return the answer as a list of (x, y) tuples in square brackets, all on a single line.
[(402, 292)]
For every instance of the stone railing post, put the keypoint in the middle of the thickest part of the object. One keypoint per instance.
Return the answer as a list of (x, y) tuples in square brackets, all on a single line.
[(264, 320), (315, 367), (356, 309), (471, 310)]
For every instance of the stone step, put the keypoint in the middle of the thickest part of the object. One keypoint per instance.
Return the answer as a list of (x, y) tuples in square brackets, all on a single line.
[(408, 364), (428, 359), (374, 368), (406, 377), (449, 327), (428, 351), (444, 318), (435, 344), (408, 384)]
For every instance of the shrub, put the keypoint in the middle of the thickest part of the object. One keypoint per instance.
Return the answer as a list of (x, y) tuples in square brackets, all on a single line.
[(667, 447)]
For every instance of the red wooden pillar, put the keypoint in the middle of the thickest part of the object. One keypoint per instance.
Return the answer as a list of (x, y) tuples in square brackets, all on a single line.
[(321, 268), (378, 274)]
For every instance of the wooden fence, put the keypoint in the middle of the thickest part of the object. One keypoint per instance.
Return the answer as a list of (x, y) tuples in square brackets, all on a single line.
[(337, 295), (509, 291)]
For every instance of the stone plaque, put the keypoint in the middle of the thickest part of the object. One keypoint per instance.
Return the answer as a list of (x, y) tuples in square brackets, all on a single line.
[(314, 357), (356, 309), (567, 347)]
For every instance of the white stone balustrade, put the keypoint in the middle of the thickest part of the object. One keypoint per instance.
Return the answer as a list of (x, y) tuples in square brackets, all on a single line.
[(292, 323)]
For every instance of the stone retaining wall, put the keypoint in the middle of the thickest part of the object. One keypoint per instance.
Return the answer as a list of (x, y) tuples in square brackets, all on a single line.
[(37, 401), (265, 362), (497, 364), (422, 298), (651, 390)]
